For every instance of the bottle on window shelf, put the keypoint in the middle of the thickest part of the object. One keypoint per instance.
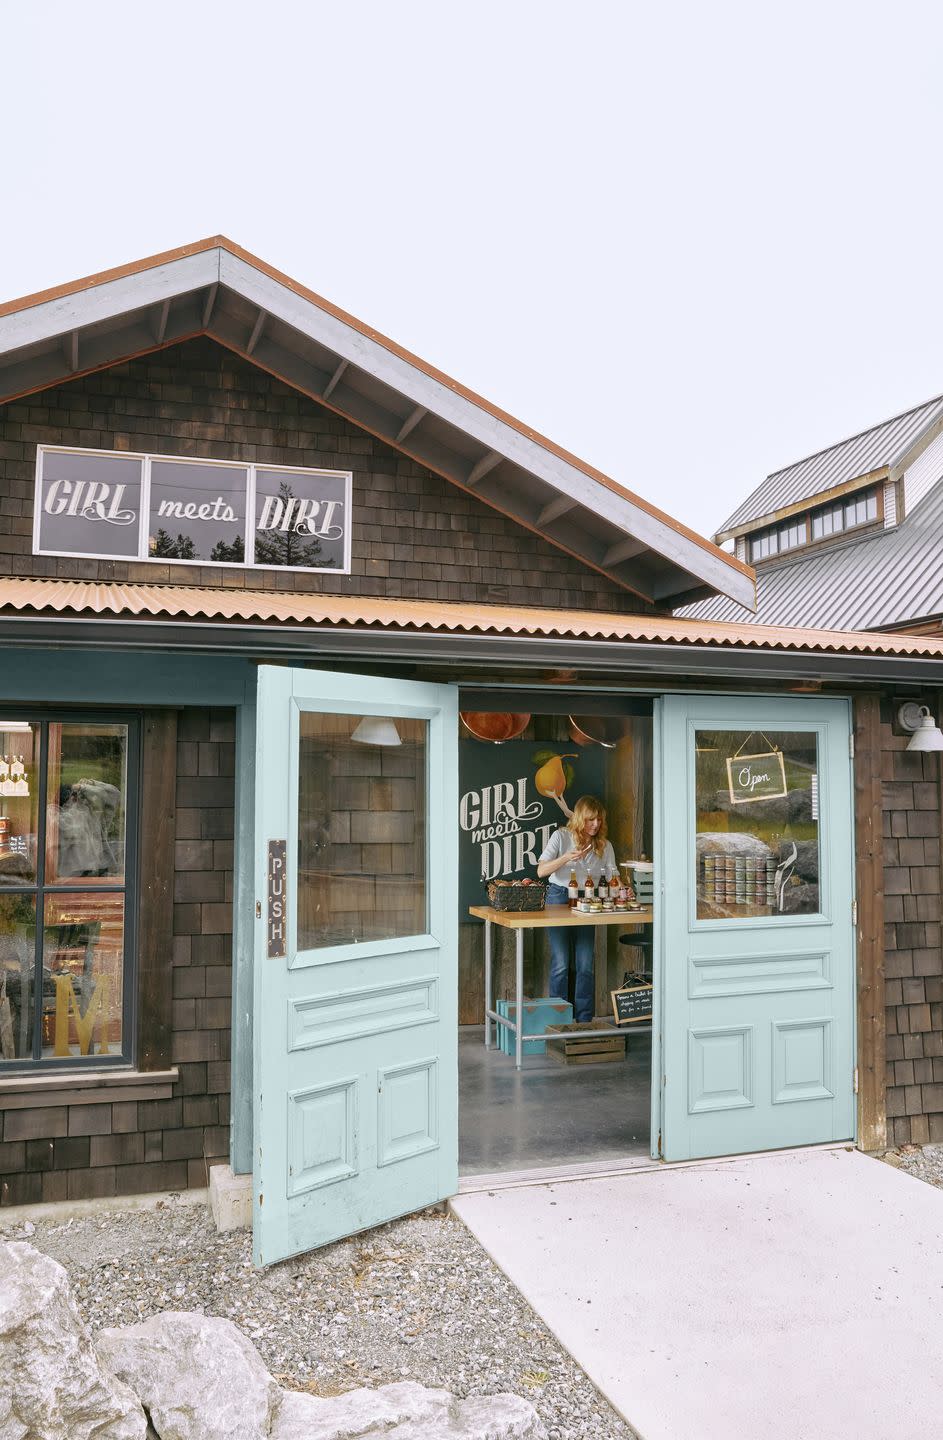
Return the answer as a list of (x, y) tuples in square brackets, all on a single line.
[(573, 890)]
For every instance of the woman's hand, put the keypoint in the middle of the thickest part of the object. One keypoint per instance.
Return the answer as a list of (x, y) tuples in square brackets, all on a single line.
[(574, 855)]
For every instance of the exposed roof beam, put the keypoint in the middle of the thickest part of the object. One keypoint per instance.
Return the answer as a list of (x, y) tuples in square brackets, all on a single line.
[(411, 421), (560, 506), (334, 380), (160, 326), (70, 349), (623, 550), (486, 463), (211, 294), (260, 320)]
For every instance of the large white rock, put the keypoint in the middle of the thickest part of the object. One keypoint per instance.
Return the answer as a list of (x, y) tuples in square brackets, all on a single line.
[(405, 1412), (198, 1376), (52, 1386)]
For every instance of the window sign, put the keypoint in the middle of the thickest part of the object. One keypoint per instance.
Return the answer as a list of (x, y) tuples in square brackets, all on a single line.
[(88, 504), (299, 519), (197, 512), (96, 504)]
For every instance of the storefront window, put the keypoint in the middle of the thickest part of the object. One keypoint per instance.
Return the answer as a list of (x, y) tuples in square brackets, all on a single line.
[(757, 830), (361, 829), (63, 879)]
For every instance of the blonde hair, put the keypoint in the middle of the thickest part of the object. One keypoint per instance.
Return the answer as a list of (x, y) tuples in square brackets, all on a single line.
[(586, 808)]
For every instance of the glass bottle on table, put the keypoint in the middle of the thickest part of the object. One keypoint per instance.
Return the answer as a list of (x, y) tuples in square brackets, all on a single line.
[(589, 889), (602, 886), (573, 890), (615, 887)]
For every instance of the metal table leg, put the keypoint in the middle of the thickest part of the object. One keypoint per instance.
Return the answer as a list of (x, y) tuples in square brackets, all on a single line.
[(519, 992), (487, 984)]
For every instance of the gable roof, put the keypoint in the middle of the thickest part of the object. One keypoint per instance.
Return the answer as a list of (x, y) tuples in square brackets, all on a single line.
[(878, 581), (215, 288), (880, 452)]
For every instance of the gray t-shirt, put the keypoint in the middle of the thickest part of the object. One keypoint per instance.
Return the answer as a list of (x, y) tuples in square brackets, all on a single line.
[(564, 840)]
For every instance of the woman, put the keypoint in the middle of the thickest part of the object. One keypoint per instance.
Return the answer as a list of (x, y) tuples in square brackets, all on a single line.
[(581, 846)]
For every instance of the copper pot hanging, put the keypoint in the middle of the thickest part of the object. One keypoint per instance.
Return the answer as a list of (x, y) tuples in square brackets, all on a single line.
[(494, 725), (604, 730)]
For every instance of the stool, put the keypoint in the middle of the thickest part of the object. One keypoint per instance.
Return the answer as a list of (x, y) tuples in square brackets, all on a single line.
[(643, 943)]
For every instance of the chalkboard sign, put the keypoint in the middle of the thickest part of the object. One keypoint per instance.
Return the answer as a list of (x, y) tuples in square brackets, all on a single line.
[(632, 1004), (509, 807), (756, 777)]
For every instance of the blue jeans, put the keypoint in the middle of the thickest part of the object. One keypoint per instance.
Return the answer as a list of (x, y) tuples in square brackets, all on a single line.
[(584, 944)]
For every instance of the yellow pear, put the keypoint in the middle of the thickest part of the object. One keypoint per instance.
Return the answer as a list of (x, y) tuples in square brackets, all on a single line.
[(550, 779)]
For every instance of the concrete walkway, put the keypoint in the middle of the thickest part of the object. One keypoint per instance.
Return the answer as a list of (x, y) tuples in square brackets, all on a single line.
[(796, 1296)]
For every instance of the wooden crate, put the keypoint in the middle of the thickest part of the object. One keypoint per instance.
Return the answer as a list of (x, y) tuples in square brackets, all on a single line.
[(605, 1045)]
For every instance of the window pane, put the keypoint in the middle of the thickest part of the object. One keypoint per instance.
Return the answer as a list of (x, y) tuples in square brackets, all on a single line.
[(85, 802), (757, 824), (300, 519), (83, 972), (19, 801), (198, 512), (17, 965), (90, 504), (361, 829)]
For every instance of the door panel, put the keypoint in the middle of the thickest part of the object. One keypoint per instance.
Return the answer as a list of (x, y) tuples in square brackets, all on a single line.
[(755, 855), (355, 1035)]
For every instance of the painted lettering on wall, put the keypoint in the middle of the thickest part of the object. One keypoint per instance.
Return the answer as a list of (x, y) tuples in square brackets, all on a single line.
[(505, 819)]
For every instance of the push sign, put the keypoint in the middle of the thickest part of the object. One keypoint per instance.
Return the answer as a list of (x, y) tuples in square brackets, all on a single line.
[(277, 919)]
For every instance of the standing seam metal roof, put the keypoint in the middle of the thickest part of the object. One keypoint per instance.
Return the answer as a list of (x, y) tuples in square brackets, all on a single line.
[(882, 445), (889, 578)]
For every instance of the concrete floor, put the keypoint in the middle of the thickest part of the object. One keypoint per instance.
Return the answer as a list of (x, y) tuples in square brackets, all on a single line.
[(793, 1296), (550, 1114)]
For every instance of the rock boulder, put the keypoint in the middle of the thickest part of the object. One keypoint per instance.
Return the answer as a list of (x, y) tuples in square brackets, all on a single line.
[(198, 1376), (53, 1387)]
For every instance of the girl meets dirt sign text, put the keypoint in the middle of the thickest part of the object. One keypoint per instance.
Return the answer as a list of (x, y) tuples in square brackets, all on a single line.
[(512, 799)]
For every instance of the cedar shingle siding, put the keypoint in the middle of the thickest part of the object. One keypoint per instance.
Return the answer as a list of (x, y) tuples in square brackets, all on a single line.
[(913, 964), (415, 535)]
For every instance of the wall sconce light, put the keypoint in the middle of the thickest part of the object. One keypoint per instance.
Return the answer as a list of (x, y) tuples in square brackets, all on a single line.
[(376, 730), (926, 734)]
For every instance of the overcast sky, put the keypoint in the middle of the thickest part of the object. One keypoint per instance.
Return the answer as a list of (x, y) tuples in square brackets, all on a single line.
[(691, 242)]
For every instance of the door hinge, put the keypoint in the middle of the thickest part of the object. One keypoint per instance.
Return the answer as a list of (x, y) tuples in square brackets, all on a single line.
[(856, 1079), (851, 744), (258, 909), (854, 912)]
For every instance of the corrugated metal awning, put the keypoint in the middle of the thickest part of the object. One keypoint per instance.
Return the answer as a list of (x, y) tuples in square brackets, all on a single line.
[(254, 607)]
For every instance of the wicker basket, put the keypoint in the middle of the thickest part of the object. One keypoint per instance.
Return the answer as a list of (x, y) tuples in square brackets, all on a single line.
[(517, 897)]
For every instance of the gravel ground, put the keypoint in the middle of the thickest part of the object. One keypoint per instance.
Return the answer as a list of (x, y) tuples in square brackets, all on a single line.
[(925, 1162), (415, 1300)]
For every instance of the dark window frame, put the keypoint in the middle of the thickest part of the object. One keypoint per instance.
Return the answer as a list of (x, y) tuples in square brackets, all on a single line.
[(44, 716)]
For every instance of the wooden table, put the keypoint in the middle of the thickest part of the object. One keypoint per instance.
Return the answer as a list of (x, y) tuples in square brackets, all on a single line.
[(521, 920)]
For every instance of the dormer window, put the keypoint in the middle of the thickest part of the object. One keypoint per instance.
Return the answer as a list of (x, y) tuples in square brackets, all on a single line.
[(779, 539), (860, 509)]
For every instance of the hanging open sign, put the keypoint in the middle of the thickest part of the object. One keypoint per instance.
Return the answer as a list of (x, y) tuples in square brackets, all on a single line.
[(756, 777)]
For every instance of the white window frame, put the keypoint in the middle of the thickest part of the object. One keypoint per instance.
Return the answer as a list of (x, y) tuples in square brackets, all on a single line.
[(249, 469)]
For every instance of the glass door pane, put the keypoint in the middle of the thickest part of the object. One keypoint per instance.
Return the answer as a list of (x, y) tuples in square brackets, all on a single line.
[(757, 824), (361, 829)]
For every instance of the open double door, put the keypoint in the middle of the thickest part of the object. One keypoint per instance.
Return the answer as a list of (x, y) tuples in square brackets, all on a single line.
[(355, 1020)]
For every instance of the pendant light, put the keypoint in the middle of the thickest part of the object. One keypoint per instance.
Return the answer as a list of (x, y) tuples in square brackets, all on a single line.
[(376, 730)]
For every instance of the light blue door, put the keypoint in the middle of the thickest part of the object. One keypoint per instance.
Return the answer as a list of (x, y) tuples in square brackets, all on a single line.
[(755, 865), (355, 996)]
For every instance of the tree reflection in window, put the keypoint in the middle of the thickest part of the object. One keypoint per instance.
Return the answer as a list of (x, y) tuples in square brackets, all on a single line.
[(286, 547), (234, 554), (163, 546)]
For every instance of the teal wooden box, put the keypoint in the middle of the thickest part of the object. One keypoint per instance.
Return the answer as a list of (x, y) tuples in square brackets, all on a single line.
[(538, 1014)]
